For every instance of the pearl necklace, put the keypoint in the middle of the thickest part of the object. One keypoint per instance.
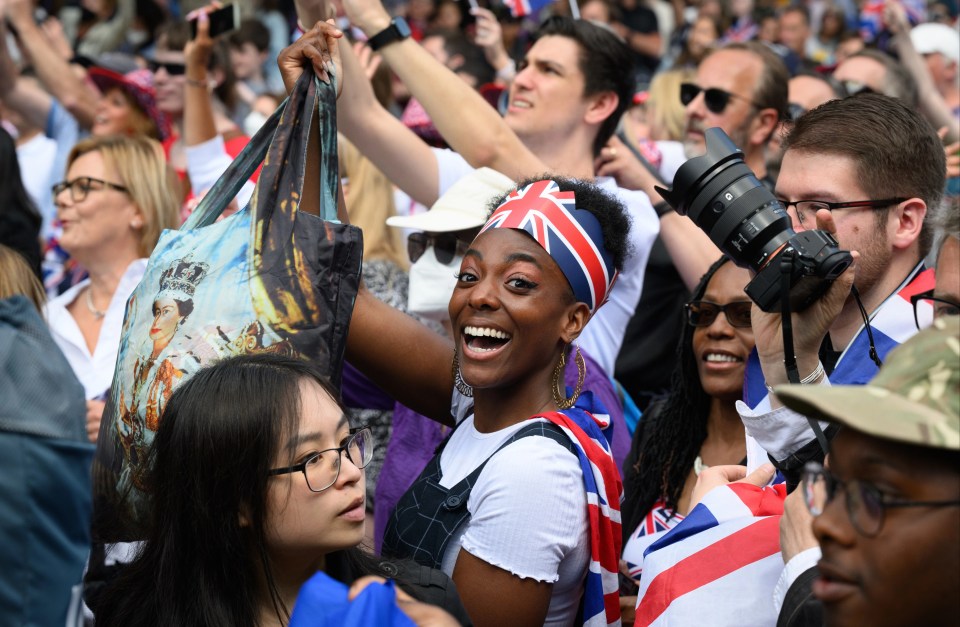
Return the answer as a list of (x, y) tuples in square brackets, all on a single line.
[(97, 314)]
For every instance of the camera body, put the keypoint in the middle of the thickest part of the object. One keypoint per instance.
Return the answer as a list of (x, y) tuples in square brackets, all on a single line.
[(727, 201)]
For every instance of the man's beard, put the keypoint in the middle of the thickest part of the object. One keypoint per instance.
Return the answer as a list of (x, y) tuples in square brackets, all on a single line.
[(693, 149)]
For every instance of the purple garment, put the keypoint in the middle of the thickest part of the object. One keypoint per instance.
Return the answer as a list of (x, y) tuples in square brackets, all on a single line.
[(415, 438)]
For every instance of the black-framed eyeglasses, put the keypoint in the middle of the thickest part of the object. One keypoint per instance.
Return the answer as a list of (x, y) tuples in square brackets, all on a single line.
[(714, 98), (173, 69), (322, 469), (81, 186), (794, 111), (446, 246), (807, 209), (702, 313), (940, 306), (864, 502)]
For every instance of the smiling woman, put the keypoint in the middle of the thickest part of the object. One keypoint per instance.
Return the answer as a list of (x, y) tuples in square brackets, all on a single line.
[(696, 425), (503, 507), (114, 203)]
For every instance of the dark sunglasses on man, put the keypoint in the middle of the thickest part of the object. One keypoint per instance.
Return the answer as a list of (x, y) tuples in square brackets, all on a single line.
[(716, 100), (446, 246), (173, 69), (702, 313)]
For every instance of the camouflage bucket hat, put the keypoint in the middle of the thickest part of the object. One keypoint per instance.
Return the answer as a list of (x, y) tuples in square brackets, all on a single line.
[(915, 398)]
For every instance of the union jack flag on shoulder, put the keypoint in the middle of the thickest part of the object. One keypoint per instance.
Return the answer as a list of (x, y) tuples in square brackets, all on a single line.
[(568, 234), (604, 489), (719, 565)]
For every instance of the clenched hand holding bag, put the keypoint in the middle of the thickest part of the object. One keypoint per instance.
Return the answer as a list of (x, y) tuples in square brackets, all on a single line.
[(269, 278)]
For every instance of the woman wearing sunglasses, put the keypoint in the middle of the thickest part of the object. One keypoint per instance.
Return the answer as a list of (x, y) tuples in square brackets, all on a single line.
[(257, 482), (112, 206), (696, 425)]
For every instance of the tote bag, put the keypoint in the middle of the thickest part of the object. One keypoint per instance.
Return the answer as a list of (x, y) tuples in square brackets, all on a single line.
[(269, 278)]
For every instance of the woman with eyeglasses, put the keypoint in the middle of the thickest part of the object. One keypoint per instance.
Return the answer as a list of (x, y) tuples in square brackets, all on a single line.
[(112, 206), (696, 425), (257, 483)]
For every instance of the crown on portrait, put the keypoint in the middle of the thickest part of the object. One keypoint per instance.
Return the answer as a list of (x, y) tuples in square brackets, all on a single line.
[(179, 280)]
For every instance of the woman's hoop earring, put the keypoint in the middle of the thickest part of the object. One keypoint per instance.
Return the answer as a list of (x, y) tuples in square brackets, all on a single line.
[(462, 386), (559, 388)]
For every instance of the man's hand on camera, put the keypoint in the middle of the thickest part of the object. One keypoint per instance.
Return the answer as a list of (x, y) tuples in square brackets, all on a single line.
[(810, 326)]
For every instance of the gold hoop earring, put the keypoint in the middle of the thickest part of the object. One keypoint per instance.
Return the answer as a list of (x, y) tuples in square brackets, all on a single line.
[(559, 389), (462, 386)]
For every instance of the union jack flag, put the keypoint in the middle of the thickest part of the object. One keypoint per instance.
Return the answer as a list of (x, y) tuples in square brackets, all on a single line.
[(725, 556), (601, 480), (658, 521), (521, 8), (573, 237)]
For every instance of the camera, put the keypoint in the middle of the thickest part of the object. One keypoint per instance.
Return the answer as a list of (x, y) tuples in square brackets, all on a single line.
[(726, 200)]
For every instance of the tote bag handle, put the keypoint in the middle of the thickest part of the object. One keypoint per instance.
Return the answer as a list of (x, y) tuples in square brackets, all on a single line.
[(245, 164)]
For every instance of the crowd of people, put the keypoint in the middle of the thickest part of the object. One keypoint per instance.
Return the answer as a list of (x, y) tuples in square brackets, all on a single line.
[(558, 404)]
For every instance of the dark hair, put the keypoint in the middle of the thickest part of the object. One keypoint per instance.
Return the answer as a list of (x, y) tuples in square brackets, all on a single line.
[(798, 8), (184, 307), (770, 91), (20, 220), (613, 217), (209, 462), (898, 82), (250, 31), (671, 441), (474, 63), (895, 150), (605, 62)]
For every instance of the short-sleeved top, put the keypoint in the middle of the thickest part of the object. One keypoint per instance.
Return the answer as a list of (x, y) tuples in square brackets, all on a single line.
[(528, 509), (603, 335)]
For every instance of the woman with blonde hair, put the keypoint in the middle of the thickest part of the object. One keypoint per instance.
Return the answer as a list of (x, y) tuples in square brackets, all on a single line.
[(115, 201), (665, 112)]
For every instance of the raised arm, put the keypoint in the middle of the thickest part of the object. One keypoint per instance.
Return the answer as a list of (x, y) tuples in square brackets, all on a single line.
[(470, 125), (408, 360), (53, 70), (403, 157), (22, 96)]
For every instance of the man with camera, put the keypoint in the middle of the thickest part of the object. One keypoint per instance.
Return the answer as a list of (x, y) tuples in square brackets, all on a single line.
[(872, 191)]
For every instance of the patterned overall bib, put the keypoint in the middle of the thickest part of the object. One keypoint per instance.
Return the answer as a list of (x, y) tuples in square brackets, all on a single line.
[(428, 515)]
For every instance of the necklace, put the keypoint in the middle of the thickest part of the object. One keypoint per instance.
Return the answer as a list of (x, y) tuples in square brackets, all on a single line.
[(97, 314)]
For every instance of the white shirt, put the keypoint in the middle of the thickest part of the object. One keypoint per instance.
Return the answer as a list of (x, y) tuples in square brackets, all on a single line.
[(603, 334), (206, 163), (95, 371), (37, 156), (528, 509)]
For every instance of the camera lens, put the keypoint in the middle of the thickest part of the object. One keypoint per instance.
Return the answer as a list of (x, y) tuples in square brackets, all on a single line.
[(724, 197), (727, 201)]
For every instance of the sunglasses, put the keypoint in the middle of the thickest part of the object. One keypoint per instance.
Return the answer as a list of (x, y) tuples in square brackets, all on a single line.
[(716, 100), (702, 313), (446, 246), (173, 69)]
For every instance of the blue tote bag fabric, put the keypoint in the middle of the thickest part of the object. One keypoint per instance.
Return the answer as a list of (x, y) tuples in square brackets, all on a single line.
[(269, 278)]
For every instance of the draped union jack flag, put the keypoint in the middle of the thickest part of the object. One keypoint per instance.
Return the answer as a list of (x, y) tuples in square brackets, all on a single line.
[(572, 237)]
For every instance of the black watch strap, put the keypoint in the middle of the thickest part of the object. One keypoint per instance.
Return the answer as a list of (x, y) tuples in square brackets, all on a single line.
[(662, 208), (397, 31)]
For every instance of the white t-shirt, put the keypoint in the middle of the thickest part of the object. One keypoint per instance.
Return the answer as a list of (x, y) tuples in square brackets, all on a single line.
[(528, 509), (95, 371), (603, 335)]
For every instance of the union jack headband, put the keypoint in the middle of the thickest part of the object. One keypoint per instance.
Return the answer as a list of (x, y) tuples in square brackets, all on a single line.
[(572, 237)]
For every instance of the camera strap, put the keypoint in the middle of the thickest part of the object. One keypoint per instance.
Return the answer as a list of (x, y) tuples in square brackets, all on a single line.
[(789, 355)]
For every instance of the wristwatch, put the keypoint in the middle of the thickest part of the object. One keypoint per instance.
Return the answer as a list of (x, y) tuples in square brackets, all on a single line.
[(397, 31)]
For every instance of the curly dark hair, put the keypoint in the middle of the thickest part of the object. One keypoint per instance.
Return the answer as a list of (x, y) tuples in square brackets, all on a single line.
[(612, 215), (664, 451)]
